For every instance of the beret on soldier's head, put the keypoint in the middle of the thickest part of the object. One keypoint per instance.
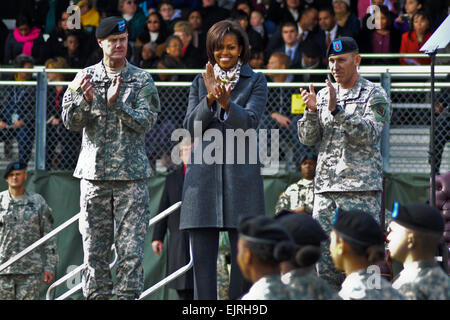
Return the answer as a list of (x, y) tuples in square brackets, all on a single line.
[(262, 229), (109, 26), (309, 155), (358, 226), (302, 227), (418, 216), (342, 45), (16, 165)]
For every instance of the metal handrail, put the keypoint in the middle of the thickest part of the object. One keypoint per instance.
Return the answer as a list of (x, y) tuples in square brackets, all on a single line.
[(76, 288)]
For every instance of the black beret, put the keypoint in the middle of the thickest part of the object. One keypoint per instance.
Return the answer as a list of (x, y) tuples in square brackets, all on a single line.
[(358, 226), (262, 229), (302, 227), (309, 155), (16, 165), (311, 49), (109, 26), (342, 45), (418, 216)]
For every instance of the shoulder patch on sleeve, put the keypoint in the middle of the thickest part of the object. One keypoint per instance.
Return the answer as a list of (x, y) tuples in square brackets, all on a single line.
[(380, 107)]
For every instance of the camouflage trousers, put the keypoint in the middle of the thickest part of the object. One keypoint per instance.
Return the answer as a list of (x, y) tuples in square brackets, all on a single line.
[(323, 212), (113, 212), (20, 286)]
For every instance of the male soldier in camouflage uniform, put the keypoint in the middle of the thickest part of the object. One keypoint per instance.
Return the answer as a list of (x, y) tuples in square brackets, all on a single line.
[(347, 119), (24, 218), (415, 233), (299, 197), (114, 103)]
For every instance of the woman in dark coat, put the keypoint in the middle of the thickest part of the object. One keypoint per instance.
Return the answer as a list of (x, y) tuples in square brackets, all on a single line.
[(218, 192)]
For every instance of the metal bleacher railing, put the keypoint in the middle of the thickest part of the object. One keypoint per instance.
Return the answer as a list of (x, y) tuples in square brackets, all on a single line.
[(404, 142), (77, 270)]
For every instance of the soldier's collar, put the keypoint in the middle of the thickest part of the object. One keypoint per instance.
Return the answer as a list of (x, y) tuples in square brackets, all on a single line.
[(353, 92)]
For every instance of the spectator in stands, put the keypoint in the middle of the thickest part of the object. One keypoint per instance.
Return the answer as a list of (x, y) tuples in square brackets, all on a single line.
[(212, 13), (174, 48), (55, 46), (169, 14), (345, 17), (90, 17), (257, 23), (306, 25), (385, 39), (289, 10), (58, 137), (73, 54), (363, 7), (198, 37), (329, 30), (254, 38), (279, 110), (190, 55), (25, 39), (148, 56), (243, 5), (404, 21), (291, 46), (371, 20), (107, 8), (257, 59), (156, 32), (55, 8), (413, 40), (134, 17), (18, 114), (311, 60)]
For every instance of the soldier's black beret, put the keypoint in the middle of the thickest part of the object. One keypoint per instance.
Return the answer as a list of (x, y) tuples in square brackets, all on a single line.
[(358, 226), (302, 227), (262, 229), (109, 26), (342, 45), (418, 216), (309, 155), (16, 165)]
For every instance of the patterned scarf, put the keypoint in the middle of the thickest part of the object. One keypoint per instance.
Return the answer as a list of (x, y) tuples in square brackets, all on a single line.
[(229, 78)]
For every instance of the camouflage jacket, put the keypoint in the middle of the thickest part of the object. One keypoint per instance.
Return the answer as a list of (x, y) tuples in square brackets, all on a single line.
[(269, 288), (423, 280), (23, 222), (308, 285), (113, 146), (349, 154), (296, 195), (363, 285)]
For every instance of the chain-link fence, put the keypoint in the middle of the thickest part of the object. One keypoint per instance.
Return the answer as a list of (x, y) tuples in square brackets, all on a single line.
[(406, 142)]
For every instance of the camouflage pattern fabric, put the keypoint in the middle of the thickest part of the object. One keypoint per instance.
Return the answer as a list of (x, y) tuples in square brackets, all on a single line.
[(23, 222), (113, 212), (308, 285), (223, 274), (362, 285), (324, 211), (270, 288), (423, 280), (113, 146), (297, 195), (20, 286), (349, 153)]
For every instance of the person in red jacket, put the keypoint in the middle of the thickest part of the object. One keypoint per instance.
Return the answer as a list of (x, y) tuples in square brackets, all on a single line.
[(413, 40)]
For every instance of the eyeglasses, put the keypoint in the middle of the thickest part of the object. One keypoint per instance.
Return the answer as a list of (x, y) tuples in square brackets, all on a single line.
[(152, 21)]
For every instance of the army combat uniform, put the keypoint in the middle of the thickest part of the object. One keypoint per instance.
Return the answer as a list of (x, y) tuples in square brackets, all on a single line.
[(296, 195), (270, 287), (364, 285), (423, 280), (308, 285), (349, 166), (24, 221), (114, 168)]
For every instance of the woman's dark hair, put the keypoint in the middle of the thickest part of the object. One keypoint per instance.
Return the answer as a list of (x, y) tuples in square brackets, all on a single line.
[(373, 253), (218, 31), (163, 32), (305, 256), (384, 10), (24, 19), (272, 254), (423, 14)]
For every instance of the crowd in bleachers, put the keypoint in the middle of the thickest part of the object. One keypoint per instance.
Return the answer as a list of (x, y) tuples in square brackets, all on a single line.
[(295, 27)]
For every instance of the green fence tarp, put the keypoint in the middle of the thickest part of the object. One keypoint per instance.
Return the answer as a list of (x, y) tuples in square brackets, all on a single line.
[(61, 191)]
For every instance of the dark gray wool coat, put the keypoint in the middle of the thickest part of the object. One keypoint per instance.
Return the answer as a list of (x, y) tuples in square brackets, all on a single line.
[(217, 195)]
